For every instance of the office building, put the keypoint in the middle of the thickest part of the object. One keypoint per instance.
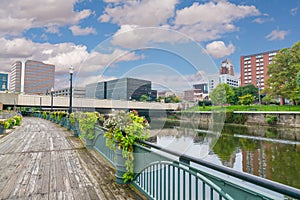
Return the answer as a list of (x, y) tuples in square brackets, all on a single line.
[(121, 89), (3, 81), (198, 93), (31, 77), (226, 67), (226, 75), (15, 77), (78, 92), (254, 68)]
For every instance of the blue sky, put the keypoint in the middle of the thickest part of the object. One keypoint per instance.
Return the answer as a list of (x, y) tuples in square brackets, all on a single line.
[(171, 42)]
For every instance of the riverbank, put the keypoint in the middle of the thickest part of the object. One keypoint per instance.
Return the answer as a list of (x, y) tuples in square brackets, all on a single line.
[(257, 118)]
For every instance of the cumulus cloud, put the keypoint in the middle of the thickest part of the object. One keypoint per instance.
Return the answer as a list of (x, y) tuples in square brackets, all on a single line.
[(136, 12), (218, 49), (19, 15), (277, 35), (62, 55), (77, 30), (294, 11), (202, 22), (134, 36), (210, 20), (260, 20)]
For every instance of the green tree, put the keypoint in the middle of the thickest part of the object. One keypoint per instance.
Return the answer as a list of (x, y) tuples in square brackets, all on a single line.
[(222, 94), (172, 99), (283, 74), (244, 90), (298, 80), (144, 98), (246, 99)]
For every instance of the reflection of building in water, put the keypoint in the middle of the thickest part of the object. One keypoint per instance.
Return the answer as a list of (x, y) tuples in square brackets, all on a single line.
[(231, 161), (255, 162)]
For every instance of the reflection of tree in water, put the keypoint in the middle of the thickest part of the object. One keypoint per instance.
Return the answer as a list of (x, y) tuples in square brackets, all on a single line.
[(225, 147), (248, 145), (284, 163), (271, 133)]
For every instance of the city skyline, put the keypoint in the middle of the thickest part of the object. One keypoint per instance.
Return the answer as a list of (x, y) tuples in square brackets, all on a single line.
[(162, 42)]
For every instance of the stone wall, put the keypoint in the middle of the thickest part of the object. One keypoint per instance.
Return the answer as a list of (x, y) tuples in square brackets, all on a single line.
[(285, 119)]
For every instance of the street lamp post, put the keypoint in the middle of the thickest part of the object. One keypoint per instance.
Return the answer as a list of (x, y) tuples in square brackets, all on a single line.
[(258, 85), (71, 71), (51, 92)]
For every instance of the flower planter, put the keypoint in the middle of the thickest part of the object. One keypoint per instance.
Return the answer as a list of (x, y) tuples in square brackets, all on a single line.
[(76, 129), (89, 143), (2, 129)]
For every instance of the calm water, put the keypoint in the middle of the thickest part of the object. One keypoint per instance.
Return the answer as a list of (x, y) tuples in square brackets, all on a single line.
[(266, 152)]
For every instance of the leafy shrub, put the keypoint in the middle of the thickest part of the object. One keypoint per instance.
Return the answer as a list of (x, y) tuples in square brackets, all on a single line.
[(12, 122), (124, 129), (87, 122), (18, 120), (271, 119)]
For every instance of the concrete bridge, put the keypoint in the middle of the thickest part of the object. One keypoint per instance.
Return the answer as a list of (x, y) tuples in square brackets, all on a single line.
[(22, 100)]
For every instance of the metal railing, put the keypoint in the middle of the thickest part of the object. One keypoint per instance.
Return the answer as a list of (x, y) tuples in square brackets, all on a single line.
[(170, 180), (165, 174), (162, 180)]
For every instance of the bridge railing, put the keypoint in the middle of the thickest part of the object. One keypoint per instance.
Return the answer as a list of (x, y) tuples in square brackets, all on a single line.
[(186, 177), (165, 174)]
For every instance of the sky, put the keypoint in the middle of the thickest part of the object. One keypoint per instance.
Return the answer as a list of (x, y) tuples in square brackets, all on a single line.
[(173, 43)]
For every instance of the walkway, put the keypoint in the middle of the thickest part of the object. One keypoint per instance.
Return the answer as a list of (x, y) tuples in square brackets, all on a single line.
[(41, 160)]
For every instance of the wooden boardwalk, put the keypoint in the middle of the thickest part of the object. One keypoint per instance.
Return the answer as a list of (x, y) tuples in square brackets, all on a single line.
[(41, 160)]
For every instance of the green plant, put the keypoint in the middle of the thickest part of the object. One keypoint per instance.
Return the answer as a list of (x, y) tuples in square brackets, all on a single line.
[(60, 115), (271, 119), (11, 122), (44, 114), (18, 120), (87, 122), (124, 129), (6, 124)]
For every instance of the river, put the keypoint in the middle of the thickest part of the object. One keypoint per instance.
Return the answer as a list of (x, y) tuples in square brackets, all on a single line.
[(268, 152)]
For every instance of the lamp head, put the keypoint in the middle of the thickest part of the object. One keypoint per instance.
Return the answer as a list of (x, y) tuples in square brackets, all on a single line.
[(71, 70)]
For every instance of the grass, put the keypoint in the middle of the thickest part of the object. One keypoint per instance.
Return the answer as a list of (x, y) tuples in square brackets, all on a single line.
[(247, 108)]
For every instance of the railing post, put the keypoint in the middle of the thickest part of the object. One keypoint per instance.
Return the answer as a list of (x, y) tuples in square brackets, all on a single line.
[(120, 165)]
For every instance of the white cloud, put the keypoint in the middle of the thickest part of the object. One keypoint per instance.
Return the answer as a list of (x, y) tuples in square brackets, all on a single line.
[(218, 49), (19, 15), (77, 30), (208, 21), (136, 12), (201, 22), (62, 55), (136, 37), (294, 11), (277, 35)]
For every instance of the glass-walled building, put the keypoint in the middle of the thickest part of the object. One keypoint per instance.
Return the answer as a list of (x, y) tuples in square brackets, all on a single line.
[(3, 81), (121, 89)]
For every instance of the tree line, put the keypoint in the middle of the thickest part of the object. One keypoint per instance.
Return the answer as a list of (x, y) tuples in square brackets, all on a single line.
[(283, 82)]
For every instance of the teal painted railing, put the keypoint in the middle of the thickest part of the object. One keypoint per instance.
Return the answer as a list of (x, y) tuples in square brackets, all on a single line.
[(165, 174), (191, 178)]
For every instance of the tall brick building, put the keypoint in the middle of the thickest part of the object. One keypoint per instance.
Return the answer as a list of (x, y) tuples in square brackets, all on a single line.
[(31, 77), (254, 68)]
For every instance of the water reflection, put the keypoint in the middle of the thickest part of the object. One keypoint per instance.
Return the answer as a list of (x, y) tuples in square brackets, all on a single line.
[(247, 149)]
